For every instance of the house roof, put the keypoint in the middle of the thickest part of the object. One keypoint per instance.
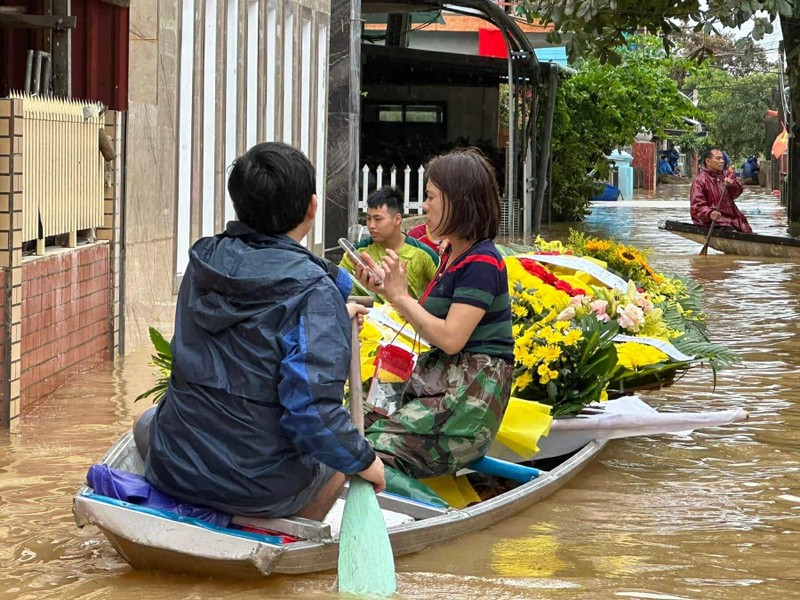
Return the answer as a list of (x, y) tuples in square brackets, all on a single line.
[(392, 65), (462, 23)]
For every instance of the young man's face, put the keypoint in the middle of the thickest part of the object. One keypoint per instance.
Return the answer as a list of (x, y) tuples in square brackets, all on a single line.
[(383, 224)]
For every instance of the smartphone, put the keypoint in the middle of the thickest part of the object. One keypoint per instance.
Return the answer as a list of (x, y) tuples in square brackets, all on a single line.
[(351, 251)]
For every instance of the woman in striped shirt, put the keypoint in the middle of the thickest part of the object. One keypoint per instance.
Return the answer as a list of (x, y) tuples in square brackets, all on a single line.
[(454, 401)]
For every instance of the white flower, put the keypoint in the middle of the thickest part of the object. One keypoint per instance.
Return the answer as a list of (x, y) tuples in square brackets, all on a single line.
[(631, 317)]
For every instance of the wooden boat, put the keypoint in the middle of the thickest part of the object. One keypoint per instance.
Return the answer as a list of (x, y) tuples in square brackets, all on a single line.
[(736, 242), (151, 539)]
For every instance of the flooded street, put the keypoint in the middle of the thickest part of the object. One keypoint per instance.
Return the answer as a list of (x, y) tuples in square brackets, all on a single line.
[(715, 515)]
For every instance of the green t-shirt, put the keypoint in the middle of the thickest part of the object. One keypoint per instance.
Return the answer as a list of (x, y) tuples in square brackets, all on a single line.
[(421, 262)]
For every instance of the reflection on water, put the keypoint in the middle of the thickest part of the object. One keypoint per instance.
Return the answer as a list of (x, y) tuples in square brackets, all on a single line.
[(715, 515)]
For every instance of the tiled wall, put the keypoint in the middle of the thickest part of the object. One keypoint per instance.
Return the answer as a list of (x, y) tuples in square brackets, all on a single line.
[(65, 318), (644, 160)]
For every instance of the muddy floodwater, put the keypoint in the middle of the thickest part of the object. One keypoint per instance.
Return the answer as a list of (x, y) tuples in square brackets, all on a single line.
[(714, 515)]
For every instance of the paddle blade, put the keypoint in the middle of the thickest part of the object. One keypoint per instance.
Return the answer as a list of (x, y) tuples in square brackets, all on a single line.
[(366, 563)]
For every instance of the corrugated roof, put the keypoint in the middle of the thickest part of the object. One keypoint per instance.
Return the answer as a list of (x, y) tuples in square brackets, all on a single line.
[(462, 23)]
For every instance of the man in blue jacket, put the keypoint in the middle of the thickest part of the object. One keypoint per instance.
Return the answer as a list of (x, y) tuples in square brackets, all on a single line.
[(253, 423)]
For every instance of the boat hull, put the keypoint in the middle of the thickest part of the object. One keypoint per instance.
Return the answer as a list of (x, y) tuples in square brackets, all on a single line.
[(736, 242), (148, 541)]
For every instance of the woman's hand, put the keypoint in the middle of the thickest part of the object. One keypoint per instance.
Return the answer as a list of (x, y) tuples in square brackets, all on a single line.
[(395, 282)]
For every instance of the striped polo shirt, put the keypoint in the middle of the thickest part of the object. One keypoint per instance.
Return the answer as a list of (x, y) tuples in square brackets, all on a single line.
[(478, 278)]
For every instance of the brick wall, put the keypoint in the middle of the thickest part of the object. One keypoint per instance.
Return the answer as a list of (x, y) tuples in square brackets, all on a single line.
[(66, 319), (2, 324)]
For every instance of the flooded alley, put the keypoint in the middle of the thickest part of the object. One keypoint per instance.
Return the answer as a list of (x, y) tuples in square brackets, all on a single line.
[(712, 516)]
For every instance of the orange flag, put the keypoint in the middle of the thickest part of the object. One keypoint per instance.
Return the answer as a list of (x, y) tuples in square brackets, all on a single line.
[(781, 143)]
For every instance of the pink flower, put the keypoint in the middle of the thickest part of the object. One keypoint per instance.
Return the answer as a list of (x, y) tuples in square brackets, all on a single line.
[(577, 300), (567, 314), (643, 302), (631, 317), (599, 308)]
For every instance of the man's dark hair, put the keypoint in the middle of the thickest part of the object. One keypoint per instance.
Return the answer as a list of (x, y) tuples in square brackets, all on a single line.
[(271, 187), (469, 189), (387, 196), (705, 154)]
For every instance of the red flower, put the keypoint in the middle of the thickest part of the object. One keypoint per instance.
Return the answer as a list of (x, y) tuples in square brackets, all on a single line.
[(537, 270)]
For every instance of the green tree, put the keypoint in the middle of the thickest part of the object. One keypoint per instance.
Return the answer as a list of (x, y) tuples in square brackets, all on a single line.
[(602, 108), (601, 27), (735, 108)]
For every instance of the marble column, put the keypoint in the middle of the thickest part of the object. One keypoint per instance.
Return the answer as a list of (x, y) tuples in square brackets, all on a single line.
[(344, 114)]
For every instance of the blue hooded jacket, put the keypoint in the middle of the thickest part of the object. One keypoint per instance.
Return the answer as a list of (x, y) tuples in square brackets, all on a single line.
[(261, 354)]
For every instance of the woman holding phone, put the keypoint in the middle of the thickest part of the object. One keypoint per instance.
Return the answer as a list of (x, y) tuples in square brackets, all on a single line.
[(454, 401)]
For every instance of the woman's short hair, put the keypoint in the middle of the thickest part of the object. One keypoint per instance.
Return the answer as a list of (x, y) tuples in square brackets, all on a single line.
[(271, 187), (469, 190)]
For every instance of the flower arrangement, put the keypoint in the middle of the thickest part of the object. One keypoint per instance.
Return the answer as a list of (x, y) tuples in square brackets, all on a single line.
[(564, 325), (626, 260)]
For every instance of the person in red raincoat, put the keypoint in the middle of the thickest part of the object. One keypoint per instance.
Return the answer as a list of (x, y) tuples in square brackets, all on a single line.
[(713, 193)]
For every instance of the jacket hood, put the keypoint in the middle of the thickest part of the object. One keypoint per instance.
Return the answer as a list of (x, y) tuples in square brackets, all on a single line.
[(241, 273)]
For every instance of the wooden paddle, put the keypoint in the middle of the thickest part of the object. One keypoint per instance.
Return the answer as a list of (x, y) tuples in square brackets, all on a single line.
[(366, 562), (704, 249)]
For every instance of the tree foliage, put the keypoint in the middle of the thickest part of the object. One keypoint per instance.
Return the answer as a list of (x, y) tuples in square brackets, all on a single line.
[(722, 52), (735, 108), (602, 108), (601, 27)]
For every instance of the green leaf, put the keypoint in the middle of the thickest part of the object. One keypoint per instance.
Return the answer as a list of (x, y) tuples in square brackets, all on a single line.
[(159, 343)]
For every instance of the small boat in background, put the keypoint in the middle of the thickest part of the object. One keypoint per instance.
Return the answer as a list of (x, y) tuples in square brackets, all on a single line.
[(731, 241), (610, 194)]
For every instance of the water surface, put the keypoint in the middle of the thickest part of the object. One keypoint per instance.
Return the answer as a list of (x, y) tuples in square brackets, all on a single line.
[(714, 515)]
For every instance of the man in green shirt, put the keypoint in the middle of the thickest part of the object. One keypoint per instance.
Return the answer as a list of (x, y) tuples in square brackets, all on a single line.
[(384, 222)]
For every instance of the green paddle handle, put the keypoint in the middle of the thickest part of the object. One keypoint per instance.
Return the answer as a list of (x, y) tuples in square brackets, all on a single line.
[(366, 561)]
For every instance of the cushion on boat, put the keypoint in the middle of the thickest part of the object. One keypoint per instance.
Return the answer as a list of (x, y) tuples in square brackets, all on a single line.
[(133, 488)]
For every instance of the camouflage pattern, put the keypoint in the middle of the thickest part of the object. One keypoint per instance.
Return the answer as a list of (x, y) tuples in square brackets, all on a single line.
[(450, 412)]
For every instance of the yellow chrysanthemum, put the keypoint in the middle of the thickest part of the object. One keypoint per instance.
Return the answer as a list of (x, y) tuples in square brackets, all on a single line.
[(523, 381), (598, 246), (518, 310), (547, 354), (633, 355), (546, 374), (572, 337)]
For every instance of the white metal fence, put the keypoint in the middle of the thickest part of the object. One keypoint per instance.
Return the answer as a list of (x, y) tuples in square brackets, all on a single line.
[(62, 177), (412, 185)]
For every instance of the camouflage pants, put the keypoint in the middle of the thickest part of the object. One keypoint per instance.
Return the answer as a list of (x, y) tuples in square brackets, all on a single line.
[(450, 412)]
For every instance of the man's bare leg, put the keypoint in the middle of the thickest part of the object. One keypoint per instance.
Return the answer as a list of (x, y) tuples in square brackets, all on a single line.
[(322, 503)]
